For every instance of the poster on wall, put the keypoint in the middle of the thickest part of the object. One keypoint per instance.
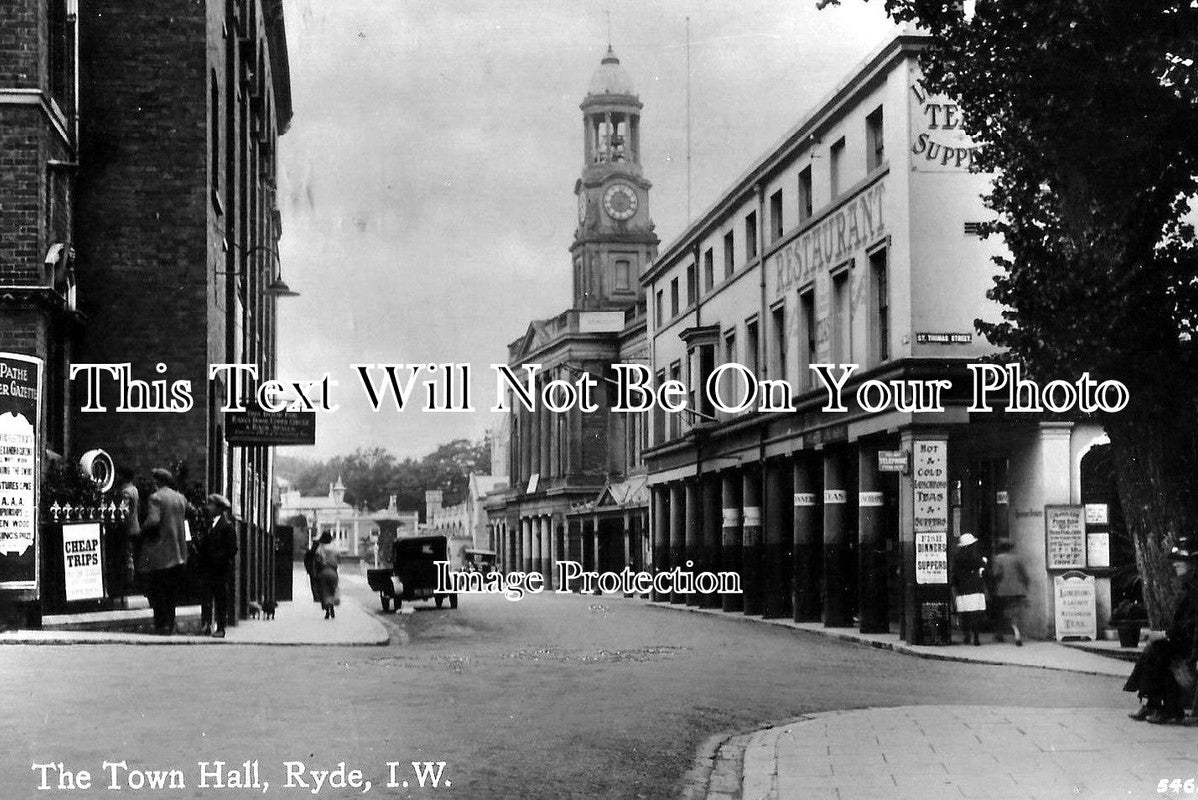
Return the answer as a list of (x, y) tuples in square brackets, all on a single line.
[(20, 420), (82, 560), (930, 486), (1074, 602), (1098, 549), (1065, 537)]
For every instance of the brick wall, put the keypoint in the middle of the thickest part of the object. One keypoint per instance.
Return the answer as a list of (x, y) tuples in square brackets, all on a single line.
[(142, 227)]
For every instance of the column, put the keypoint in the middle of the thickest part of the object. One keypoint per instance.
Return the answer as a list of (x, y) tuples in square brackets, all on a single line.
[(730, 535), (838, 610), (597, 545), (923, 537), (660, 533), (541, 547), (709, 546), (692, 536), (777, 533), (808, 544), (871, 544), (750, 552), (526, 554), (554, 554), (677, 532), (574, 540), (627, 523)]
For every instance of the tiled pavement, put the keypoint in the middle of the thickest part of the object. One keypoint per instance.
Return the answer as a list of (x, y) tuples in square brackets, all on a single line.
[(933, 752)]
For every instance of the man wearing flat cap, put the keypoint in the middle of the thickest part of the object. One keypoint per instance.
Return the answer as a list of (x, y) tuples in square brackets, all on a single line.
[(1164, 676), (163, 549), (215, 554)]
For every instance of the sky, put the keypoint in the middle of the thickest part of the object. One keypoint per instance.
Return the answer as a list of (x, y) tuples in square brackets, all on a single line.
[(426, 182)]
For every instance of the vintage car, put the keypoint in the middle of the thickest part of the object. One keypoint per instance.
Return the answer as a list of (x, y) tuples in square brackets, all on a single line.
[(413, 573)]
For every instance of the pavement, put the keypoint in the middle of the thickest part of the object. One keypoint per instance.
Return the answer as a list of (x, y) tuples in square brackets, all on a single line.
[(945, 751), (1043, 655), (299, 622)]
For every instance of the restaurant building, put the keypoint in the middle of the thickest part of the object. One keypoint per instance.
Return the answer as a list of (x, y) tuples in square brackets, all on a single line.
[(855, 241)]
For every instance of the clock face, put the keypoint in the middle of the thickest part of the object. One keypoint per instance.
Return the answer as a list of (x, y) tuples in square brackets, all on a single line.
[(582, 207), (619, 201)]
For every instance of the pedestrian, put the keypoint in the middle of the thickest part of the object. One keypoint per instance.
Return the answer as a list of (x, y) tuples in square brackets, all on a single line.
[(969, 567), (163, 549), (131, 525), (310, 568), (1164, 674), (215, 554), (325, 565), (1010, 590)]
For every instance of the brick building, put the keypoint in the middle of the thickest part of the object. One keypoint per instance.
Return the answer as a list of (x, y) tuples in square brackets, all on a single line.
[(181, 106), (138, 224)]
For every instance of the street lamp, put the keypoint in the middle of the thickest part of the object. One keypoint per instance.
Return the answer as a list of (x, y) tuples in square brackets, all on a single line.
[(277, 287)]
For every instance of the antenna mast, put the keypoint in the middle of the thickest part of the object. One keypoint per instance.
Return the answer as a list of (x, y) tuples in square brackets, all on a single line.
[(688, 119)]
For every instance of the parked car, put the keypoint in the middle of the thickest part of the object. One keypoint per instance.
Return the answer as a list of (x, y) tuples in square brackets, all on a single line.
[(412, 574)]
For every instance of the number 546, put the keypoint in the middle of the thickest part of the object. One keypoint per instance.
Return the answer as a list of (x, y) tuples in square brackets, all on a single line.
[(1176, 786)]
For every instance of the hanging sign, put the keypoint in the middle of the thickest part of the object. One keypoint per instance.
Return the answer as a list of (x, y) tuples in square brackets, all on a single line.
[(20, 420), (1065, 537), (1076, 615), (82, 561)]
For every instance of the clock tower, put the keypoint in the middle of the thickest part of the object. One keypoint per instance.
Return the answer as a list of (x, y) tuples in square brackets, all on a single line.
[(614, 242)]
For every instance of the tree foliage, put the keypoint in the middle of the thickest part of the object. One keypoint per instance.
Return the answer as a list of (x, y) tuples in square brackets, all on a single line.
[(372, 475), (1088, 110)]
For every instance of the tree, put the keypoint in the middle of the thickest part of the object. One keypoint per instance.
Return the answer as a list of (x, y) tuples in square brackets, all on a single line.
[(1088, 110)]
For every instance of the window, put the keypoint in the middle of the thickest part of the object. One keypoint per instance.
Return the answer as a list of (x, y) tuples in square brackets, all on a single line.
[(841, 351), (835, 157), (727, 381), (673, 298), (58, 46), (778, 351), (805, 206), (676, 416), (751, 236), (875, 148), (729, 255), (807, 345), (691, 286), (776, 224), (751, 343), (623, 274), (702, 362), (214, 125), (657, 309), (881, 298), (659, 413), (708, 270)]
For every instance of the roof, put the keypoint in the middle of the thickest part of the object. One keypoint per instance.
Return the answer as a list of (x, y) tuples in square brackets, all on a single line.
[(611, 78)]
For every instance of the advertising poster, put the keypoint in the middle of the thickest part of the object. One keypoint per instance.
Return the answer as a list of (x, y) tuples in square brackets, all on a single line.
[(83, 561), (20, 396)]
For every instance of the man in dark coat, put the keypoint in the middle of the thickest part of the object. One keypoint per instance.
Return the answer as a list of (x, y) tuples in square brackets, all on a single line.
[(215, 554), (163, 549), (1154, 678)]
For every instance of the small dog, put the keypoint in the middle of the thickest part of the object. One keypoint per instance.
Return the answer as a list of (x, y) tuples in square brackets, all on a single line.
[(253, 609), (268, 609)]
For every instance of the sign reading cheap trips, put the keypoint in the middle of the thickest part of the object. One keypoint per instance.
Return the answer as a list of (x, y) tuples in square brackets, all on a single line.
[(20, 468)]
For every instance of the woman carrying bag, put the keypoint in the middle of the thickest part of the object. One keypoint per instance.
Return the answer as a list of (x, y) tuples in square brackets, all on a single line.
[(969, 568)]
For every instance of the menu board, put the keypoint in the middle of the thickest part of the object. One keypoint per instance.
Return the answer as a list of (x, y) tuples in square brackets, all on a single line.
[(20, 393), (1065, 532), (930, 485), (1073, 599)]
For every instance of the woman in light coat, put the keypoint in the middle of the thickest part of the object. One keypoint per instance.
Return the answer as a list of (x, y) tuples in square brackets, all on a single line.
[(325, 565)]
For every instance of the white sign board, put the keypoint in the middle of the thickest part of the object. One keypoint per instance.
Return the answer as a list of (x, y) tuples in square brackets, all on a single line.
[(1098, 550), (931, 558), (929, 473), (1065, 534), (1096, 514), (1076, 614), (82, 561)]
